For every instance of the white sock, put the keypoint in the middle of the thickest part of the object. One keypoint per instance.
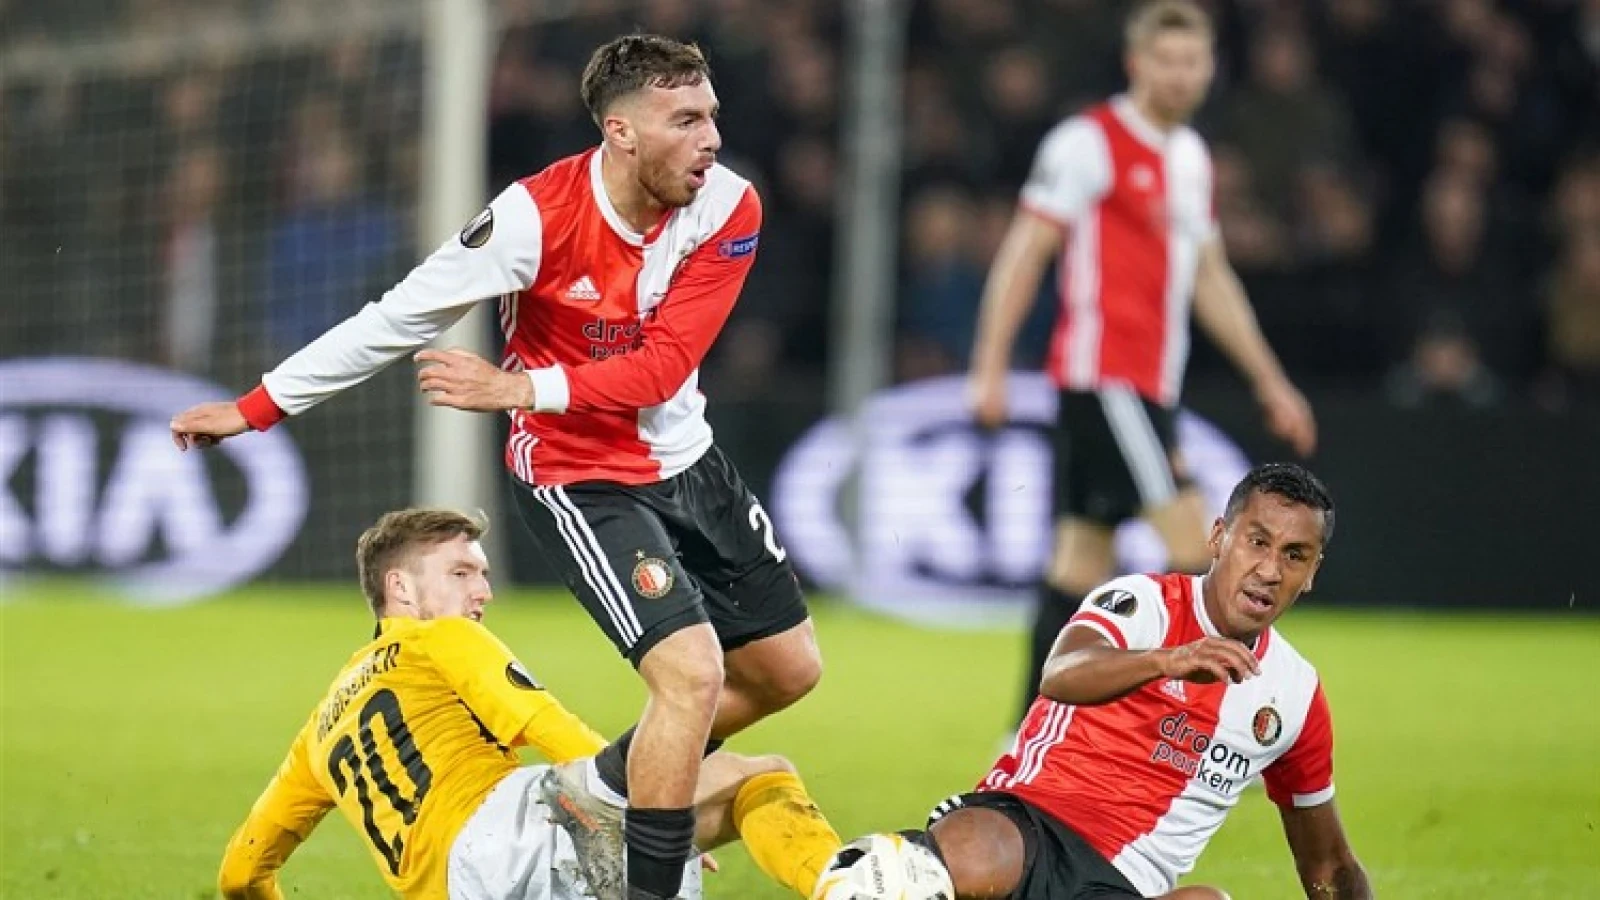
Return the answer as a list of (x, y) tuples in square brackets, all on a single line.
[(598, 787)]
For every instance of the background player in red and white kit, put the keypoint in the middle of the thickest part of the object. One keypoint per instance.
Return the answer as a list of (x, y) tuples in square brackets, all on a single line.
[(1122, 194), (1164, 697), (615, 270)]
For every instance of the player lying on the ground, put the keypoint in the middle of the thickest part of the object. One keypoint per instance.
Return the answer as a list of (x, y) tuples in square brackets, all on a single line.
[(414, 744), (1164, 697)]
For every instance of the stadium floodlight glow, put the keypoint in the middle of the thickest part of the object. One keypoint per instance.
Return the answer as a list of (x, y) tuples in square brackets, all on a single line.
[(151, 519), (954, 522)]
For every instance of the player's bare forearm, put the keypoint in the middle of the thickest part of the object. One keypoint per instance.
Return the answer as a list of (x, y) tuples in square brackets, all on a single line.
[(1328, 868), (1346, 881), (1089, 676), (1223, 310), (1011, 289)]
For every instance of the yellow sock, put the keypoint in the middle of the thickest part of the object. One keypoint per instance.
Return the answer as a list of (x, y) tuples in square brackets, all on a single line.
[(786, 834)]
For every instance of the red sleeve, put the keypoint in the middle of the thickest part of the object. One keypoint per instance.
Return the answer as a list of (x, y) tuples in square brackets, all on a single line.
[(686, 322), (259, 409), (1304, 776)]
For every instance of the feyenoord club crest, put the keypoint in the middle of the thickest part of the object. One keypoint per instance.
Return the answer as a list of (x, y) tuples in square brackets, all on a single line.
[(652, 578), (1267, 726)]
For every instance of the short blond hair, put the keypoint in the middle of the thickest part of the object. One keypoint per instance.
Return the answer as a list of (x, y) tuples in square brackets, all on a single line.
[(396, 535), (1159, 16)]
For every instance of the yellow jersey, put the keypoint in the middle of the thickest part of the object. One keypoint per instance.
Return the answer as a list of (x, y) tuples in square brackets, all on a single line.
[(417, 728)]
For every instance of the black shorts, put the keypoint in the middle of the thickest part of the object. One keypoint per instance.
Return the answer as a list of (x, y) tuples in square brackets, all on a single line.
[(1113, 456), (650, 560), (1058, 864)]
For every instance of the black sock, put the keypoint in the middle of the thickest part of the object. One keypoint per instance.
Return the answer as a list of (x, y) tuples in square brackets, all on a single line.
[(612, 763), (1051, 612), (659, 843)]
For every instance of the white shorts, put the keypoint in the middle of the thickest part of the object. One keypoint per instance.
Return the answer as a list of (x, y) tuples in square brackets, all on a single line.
[(510, 850)]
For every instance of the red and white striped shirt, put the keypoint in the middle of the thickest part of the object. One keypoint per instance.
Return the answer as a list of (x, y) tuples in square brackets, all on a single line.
[(1148, 779), (1136, 203), (610, 324)]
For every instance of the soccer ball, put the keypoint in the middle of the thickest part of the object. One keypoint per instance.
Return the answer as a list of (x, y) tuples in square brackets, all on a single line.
[(884, 867)]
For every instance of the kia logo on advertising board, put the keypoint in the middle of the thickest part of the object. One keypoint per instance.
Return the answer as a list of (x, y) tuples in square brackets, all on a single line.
[(92, 483), (954, 523)]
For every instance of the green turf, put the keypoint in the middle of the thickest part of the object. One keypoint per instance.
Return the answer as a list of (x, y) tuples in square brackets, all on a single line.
[(133, 741)]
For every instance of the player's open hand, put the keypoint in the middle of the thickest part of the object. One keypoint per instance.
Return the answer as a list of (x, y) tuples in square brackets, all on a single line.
[(1210, 660), (207, 425), (1289, 416), (987, 396), (464, 380)]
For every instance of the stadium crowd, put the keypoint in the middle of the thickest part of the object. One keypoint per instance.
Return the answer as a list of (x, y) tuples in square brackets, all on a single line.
[(1410, 190)]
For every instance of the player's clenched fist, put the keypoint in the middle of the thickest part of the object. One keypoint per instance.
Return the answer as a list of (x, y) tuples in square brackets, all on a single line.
[(1210, 660), (463, 380), (207, 424)]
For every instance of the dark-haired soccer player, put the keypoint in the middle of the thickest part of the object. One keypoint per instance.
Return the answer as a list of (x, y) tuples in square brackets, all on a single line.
[(1163, 698), (414, 744), (615, 270)]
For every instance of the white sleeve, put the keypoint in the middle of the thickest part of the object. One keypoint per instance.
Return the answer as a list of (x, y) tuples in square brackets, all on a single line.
[(496, 253), (1130, 612), (1071, 171)]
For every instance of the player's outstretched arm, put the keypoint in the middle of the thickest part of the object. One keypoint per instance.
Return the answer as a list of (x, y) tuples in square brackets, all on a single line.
[(1085, 669), (497, 253), (1327, 865), (1008, 295), (281, 819), (1223, 310)]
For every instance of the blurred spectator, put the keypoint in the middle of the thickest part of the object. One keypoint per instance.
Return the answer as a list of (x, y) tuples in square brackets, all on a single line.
[(1285, 117), (335, 248), (1444, 369), (190, 262), (1017, 94), (1573, 299), (943, 282), (1458, 273)]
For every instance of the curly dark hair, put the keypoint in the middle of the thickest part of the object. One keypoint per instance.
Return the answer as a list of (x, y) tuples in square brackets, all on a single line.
[(634, 62), (1290, 481)]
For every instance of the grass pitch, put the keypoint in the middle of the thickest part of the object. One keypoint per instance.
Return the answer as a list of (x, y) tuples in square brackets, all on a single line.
[(133, 741)]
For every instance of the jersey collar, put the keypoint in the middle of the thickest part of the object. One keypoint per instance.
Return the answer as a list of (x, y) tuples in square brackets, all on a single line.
[(597, 186), (1140, 127)]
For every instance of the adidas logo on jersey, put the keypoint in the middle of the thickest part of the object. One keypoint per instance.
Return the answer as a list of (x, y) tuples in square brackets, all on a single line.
[(583, 289), (1174, 689)]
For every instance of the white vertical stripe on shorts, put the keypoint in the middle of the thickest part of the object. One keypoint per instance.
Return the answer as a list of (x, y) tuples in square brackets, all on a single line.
[(585, 548), (1141, 448)]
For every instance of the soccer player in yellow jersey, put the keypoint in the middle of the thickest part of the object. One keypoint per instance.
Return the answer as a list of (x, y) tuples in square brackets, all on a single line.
[(415, 741)]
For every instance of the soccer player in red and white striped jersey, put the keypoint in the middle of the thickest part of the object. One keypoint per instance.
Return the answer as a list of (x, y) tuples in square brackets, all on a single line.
[(1122, 194), (614, 271), (1164, 698)]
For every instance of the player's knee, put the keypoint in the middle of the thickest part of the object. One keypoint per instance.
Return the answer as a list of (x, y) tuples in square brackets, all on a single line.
[(982, 850), (794, 681), (768, 765)]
